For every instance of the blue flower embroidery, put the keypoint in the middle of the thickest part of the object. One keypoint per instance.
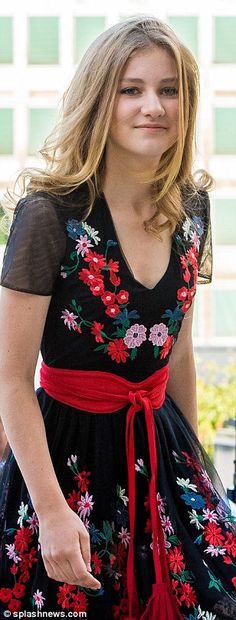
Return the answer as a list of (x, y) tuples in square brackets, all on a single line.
[(192, 499)]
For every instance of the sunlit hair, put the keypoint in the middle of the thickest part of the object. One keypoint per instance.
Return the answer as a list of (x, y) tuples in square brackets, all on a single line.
[(74, 153)]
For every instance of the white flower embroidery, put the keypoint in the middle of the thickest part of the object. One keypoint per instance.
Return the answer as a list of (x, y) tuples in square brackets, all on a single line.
[(194, 519), (121, 494), (205, 615), (22, 512), (215, 550), (186, 227), (186, 484), (12, 554), (91, 232)]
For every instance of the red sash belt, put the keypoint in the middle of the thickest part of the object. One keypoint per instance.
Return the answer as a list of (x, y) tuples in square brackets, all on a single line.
[(104, 392)]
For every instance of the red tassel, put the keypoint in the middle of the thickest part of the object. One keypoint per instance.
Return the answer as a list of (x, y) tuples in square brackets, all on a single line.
[(162, 605)]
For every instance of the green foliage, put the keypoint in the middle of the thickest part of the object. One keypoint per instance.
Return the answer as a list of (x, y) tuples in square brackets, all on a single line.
[(3, 229), (216, 389)]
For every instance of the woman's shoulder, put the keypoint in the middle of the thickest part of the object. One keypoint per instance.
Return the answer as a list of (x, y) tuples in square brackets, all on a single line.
[(47, 206)]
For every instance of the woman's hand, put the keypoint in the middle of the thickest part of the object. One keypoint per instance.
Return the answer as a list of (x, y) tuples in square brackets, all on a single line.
[(65, 547)]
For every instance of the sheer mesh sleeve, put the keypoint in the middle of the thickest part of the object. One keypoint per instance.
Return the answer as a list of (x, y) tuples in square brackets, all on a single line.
[(35, 246), (205, 249)]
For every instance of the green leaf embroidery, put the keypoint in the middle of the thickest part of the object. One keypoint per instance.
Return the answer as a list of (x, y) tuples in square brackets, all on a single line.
[(73, 255), (156, 351), (107, 531), (102, 347), (133, 353)]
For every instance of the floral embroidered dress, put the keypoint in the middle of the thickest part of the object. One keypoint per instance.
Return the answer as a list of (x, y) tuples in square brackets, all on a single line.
[(101, 318)]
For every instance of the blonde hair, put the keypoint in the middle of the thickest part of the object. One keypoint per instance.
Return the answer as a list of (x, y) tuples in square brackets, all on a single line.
[(74, 152)]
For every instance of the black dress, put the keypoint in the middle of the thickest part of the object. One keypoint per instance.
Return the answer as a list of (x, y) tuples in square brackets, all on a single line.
[(101, 318)]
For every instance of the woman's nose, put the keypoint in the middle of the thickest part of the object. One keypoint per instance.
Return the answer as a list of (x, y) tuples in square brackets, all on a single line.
[(152, 105)]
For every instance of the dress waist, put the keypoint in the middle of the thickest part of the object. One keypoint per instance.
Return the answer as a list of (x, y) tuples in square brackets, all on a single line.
[(100, 392), (104, 392)]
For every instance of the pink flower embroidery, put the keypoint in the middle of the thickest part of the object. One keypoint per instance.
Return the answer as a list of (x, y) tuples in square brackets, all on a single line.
[(124, 536), (159, 333), (39, 598), (83, 245), (85, 505), (135, 335), (69, 319)]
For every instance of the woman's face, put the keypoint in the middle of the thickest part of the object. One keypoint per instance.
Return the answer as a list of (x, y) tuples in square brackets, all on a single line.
[(145, 115)]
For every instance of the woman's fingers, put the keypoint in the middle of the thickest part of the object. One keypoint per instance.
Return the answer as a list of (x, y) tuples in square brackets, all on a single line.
[(72, 571), (85, 578)]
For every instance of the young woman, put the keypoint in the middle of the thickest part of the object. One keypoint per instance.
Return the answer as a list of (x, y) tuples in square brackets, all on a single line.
[(109, 504)]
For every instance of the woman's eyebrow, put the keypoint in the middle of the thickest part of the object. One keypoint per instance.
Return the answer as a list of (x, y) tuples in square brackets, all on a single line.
[(163, 81)]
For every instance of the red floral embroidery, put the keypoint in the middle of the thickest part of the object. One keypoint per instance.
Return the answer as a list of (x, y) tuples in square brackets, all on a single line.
[(112, 310), (96, 331), (83, 480), (64, 595), (108, 298), (188, 595), (167, 346), (97, 287), (117, 350), (175, 559), (73, 500), (182, 293), (230, 544), (213, 534), (122, 297), (96, 563), (5, 595), (14, 605), (79, 602), (96, 261), (18, 590), (22, 539), (185, 307)]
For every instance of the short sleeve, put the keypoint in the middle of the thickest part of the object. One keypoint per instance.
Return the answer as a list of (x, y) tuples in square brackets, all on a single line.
[(205, 248), (35, 247)]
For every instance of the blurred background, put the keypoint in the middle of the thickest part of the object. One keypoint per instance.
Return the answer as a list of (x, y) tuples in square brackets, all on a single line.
[(40, 45)]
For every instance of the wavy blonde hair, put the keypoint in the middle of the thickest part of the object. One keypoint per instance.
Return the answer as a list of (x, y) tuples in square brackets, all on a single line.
[(74, 153)]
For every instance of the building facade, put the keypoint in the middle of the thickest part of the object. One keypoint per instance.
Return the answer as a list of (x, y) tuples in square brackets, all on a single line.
[(40, 44)]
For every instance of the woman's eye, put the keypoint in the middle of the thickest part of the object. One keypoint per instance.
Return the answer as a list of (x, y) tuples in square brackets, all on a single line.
[(129, 91), (170, 91)]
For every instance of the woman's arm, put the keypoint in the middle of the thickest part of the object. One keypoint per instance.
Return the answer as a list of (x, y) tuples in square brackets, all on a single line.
[(182, 379), (64, 538)]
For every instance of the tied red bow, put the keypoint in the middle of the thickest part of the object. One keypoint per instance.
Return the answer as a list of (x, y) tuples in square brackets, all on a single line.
[(162, 604), (104, 392)]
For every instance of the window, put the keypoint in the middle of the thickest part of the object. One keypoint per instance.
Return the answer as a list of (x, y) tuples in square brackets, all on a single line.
[(186, 28), (225, 39), (6, 131), (41, 122), (43, 43), (224, 221), (86, 30), (224, 311), (6, 39), (225, 131)]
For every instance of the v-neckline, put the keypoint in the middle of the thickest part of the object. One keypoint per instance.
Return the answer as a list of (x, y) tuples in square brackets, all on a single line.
[(125, 261)]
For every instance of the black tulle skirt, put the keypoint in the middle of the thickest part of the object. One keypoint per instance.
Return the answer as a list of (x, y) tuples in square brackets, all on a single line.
[(88, 454)]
